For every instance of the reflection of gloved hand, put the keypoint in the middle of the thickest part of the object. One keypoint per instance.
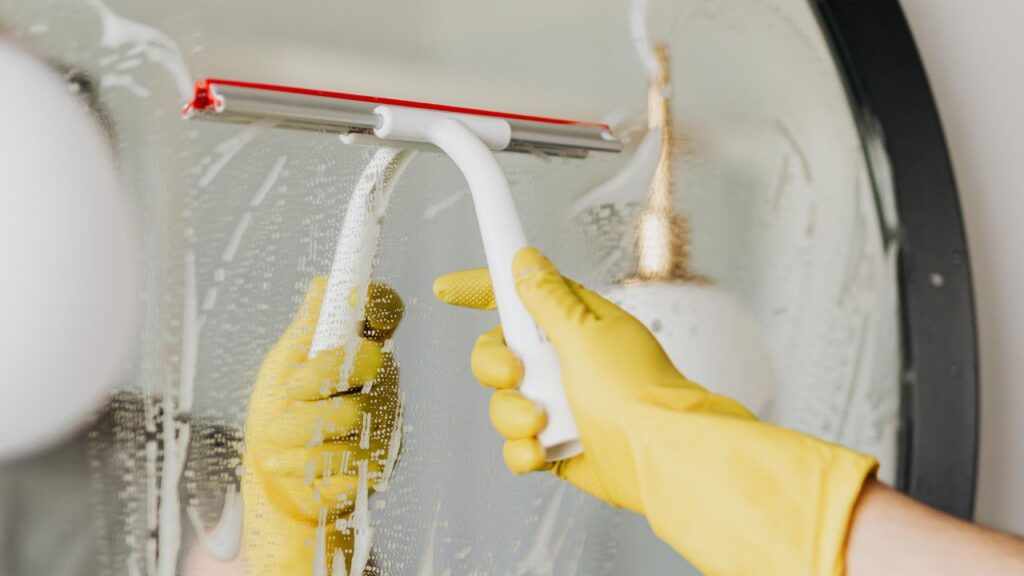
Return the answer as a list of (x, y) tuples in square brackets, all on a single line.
[(305, 438), (733, 495)]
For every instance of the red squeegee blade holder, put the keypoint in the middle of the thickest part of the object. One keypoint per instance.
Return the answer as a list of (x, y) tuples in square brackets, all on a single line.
[(205, 100)]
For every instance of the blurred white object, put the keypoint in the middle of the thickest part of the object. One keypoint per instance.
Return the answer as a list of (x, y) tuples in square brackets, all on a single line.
[(708, 335), (66, 252)]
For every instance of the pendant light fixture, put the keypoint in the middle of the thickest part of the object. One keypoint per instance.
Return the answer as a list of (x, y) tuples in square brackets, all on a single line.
[(706, 332)]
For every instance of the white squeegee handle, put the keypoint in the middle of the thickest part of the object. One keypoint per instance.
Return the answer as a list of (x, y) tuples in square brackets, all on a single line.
[(469, 141)]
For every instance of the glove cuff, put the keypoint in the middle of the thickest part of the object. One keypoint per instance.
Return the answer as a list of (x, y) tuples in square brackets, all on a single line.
[(847, 475), (739, 497)]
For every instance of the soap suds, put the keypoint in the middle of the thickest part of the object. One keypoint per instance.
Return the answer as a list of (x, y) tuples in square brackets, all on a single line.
[(340, 321), (394, 447), (268, 182), (210, 299), (170, 506), (629, 184), (541, 557), (236, 237), (431, 211), (361, 521), (224, 541), (232, 146), (427, 558), (356, 251), (146, 41), (116, 80), (364, 435), (638, 30)]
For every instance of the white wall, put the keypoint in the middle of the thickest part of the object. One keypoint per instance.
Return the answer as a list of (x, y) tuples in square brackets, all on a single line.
[(974, 56)]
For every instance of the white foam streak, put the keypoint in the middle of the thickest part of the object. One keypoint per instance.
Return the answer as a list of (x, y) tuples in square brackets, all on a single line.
[(627, 185), (126, 81), (143, 40), (268, 182), (641, 39), (427, 559), (224, 541), (431, 211), (232, 146), (394, 447), (355, 253), (540, 559), (191, 328), (236, 237)]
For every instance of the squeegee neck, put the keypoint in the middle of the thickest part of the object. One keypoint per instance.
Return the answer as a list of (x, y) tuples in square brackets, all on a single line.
[(424, 126), (470, 142)]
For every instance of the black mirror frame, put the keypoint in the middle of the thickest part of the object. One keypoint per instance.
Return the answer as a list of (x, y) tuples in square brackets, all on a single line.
[(887, 86)]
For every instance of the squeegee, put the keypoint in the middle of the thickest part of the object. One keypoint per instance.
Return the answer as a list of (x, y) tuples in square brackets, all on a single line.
[(470, 137)]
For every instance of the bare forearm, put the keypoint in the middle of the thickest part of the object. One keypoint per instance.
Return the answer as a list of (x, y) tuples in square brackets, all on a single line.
[(893, 534)]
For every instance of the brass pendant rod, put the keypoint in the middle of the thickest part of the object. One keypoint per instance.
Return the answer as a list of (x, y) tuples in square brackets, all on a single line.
[(662, 235)]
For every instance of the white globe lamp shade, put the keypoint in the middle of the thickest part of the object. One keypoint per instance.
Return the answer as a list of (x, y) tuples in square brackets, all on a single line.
[(710, 337)]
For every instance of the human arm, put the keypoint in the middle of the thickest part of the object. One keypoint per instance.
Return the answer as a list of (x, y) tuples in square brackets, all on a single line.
[(733, 495), (892, 534)]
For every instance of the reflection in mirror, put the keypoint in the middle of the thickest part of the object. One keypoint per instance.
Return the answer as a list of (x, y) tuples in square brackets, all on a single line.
[(240, 225)]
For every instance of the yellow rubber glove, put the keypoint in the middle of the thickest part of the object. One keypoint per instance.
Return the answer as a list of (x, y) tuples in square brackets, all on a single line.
[(733, 495), (304, 438)]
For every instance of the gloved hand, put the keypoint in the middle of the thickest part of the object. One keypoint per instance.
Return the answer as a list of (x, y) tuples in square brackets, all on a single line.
[(733, 495), (305, 438)]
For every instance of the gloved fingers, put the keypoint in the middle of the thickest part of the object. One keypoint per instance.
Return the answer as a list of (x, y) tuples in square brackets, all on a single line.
[(322, 461), (384, 311), (515, 416), (493, 364), (319, 377), (294, 344), (552, 303), (369, 413), (523, 455), (599, 305), (277, 545), (290, 423), (382, 400), (309, 423), (472, 289), (303, 499), (466, 288), (338, 492)]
